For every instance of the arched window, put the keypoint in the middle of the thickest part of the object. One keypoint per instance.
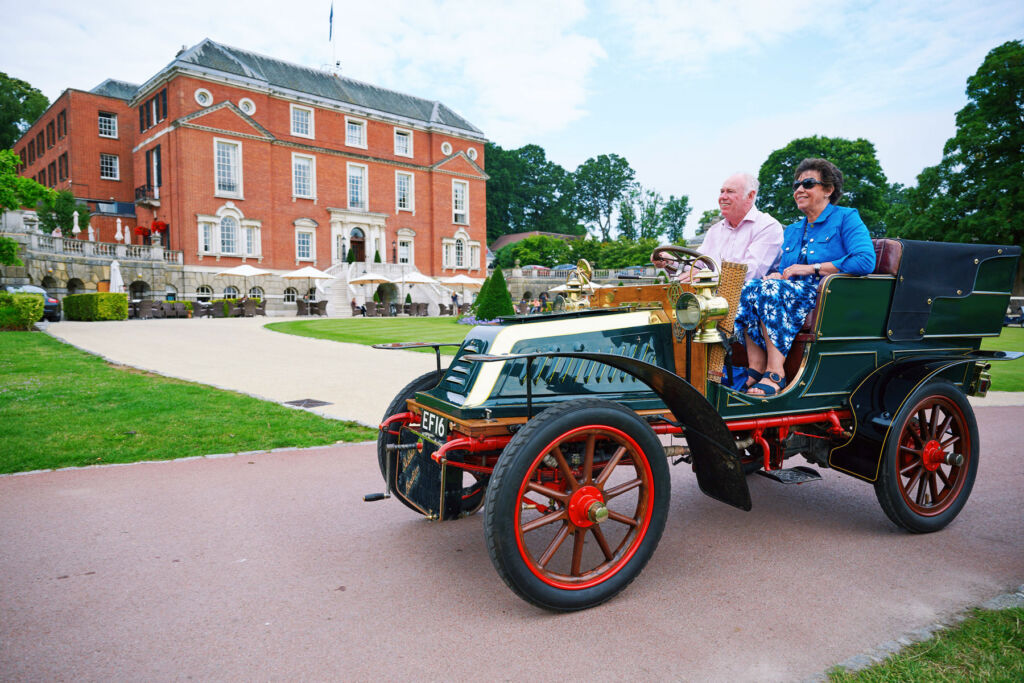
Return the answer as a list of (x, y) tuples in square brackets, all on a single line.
[(255, 292), (228, 235), (460, 254), (231, 292), (204, 293), (290, 294), (171, 293)]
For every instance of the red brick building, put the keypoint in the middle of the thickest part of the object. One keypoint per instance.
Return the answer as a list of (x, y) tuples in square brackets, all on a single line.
[(247, 158)]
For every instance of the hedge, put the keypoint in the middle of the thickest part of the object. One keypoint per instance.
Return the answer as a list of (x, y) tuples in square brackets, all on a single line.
[(96, 306), (20, 311)]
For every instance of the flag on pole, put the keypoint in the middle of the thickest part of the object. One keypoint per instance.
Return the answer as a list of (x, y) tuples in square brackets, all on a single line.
[(330, 24)]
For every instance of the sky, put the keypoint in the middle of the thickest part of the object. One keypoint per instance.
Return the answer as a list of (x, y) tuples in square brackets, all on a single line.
[(688, 91)]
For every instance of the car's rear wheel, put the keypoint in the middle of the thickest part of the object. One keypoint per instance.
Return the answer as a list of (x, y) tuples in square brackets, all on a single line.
[(930, 459), (577, 504)]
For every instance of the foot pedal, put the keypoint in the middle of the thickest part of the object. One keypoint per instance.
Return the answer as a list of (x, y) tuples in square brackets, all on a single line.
[(800, 474)]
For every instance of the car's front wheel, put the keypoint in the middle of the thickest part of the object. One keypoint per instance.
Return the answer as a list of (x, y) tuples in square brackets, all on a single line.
[(577, 504)]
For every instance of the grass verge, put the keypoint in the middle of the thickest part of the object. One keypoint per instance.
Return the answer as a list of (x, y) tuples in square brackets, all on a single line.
[(1007, 375), (988, 646), (62, 407), (368, 331)]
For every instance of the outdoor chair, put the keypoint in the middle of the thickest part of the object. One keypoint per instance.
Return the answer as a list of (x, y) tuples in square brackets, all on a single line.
[(133, 309), (442, 309), (407, 308), (463, 309), (302, 307), (217, 309), (421, 309), (201, 310), (371, 309), (261, 307), (321, 307), (235, 310), (179, 309), (249, 308), (356, 310), (145, 309)]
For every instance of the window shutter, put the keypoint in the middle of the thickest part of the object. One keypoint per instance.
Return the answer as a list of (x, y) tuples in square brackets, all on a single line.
[(159, 167), (142, 118), (149, 168), (163, 104)]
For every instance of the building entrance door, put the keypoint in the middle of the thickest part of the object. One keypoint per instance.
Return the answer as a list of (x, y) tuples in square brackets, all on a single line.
[(357, 244)]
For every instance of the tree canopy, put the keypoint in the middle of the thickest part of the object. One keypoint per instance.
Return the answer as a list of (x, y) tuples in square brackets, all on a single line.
[(977, 191), (528, 192), (864, 183), (550, 251), (20, 106), (57, 210), (15, 191), (601, 184)]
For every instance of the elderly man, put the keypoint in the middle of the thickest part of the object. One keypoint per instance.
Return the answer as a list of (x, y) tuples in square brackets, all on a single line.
[(744, 235)]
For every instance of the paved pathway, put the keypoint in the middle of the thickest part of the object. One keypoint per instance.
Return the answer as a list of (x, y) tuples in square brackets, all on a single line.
[(270, 567), (241, 354)]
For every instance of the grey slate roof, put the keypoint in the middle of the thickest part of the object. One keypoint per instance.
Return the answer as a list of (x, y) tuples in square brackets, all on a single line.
[(118, 89), (294, 77)]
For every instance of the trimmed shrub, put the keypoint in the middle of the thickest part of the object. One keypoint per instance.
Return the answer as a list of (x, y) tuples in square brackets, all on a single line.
[(351, 258), (494, 300), (408, 298), (20, 311), (96, 306)]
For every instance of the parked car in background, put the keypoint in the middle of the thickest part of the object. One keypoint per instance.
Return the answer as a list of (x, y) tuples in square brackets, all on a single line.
[(51, 307)]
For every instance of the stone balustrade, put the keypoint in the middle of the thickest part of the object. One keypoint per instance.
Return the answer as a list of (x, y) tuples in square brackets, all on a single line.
[(37, 242)]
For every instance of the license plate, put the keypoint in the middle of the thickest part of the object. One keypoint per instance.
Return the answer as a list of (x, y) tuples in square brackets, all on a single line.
[(434, 425)]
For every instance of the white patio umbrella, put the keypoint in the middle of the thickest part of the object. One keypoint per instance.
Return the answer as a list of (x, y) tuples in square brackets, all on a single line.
[(307, 273), (371, 279), (116, 281), (245, 271), (463, 282)]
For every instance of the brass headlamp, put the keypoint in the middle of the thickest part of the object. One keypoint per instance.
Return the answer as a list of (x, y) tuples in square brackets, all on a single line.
[(702, 309)]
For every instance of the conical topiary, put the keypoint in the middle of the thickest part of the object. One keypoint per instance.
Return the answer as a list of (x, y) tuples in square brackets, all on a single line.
[(376, 257), (475, 306), (496, 299), (351, 258)]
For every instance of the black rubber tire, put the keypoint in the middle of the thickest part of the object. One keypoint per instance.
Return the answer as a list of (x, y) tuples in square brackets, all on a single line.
[(523, 457), (472, 495), (933, 507)]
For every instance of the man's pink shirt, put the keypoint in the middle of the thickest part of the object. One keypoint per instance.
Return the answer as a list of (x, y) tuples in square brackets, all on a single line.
[(756, 241)]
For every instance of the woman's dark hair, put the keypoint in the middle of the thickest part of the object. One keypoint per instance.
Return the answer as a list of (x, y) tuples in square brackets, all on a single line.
[(829, 174)]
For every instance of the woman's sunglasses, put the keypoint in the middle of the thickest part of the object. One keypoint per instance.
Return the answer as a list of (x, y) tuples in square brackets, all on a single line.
[(806, 183)]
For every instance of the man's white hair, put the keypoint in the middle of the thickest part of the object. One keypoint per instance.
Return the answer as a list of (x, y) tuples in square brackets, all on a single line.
[(750, 183)]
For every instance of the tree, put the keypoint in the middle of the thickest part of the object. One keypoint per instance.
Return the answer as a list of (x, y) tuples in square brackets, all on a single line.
[(673, 218), (627, 226), (15, 191), (707, 219), (527, 192), (601, 184), (538, 250), (20, 105), (864, 183), (650, 214), (494, 299), (976, 193), (9, 252), (56, 212)]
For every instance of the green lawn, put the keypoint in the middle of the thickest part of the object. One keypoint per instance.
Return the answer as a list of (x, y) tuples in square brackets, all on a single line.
[(62, 407), (1007, 375), (989, 646), (369, 331)]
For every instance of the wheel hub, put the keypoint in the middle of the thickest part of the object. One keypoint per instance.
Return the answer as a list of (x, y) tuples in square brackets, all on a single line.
[(933, 455), (586, 507)]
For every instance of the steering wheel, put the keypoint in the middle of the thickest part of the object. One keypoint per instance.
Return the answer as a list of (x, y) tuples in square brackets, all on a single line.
[(674, 259)]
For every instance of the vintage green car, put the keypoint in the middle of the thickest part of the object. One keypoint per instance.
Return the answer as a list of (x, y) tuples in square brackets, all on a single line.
[(562, 426)]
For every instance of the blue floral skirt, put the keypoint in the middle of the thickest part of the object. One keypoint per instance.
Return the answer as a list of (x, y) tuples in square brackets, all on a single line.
[(781, 305)]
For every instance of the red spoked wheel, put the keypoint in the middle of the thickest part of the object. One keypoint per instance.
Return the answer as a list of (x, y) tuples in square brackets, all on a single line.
[(577, 504), (931, 459)]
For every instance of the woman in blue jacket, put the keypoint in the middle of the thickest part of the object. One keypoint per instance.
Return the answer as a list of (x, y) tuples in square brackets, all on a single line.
[(829, 239)]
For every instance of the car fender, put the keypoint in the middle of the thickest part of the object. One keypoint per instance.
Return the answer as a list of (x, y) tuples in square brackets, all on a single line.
[(879, 398), (712, 446)]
